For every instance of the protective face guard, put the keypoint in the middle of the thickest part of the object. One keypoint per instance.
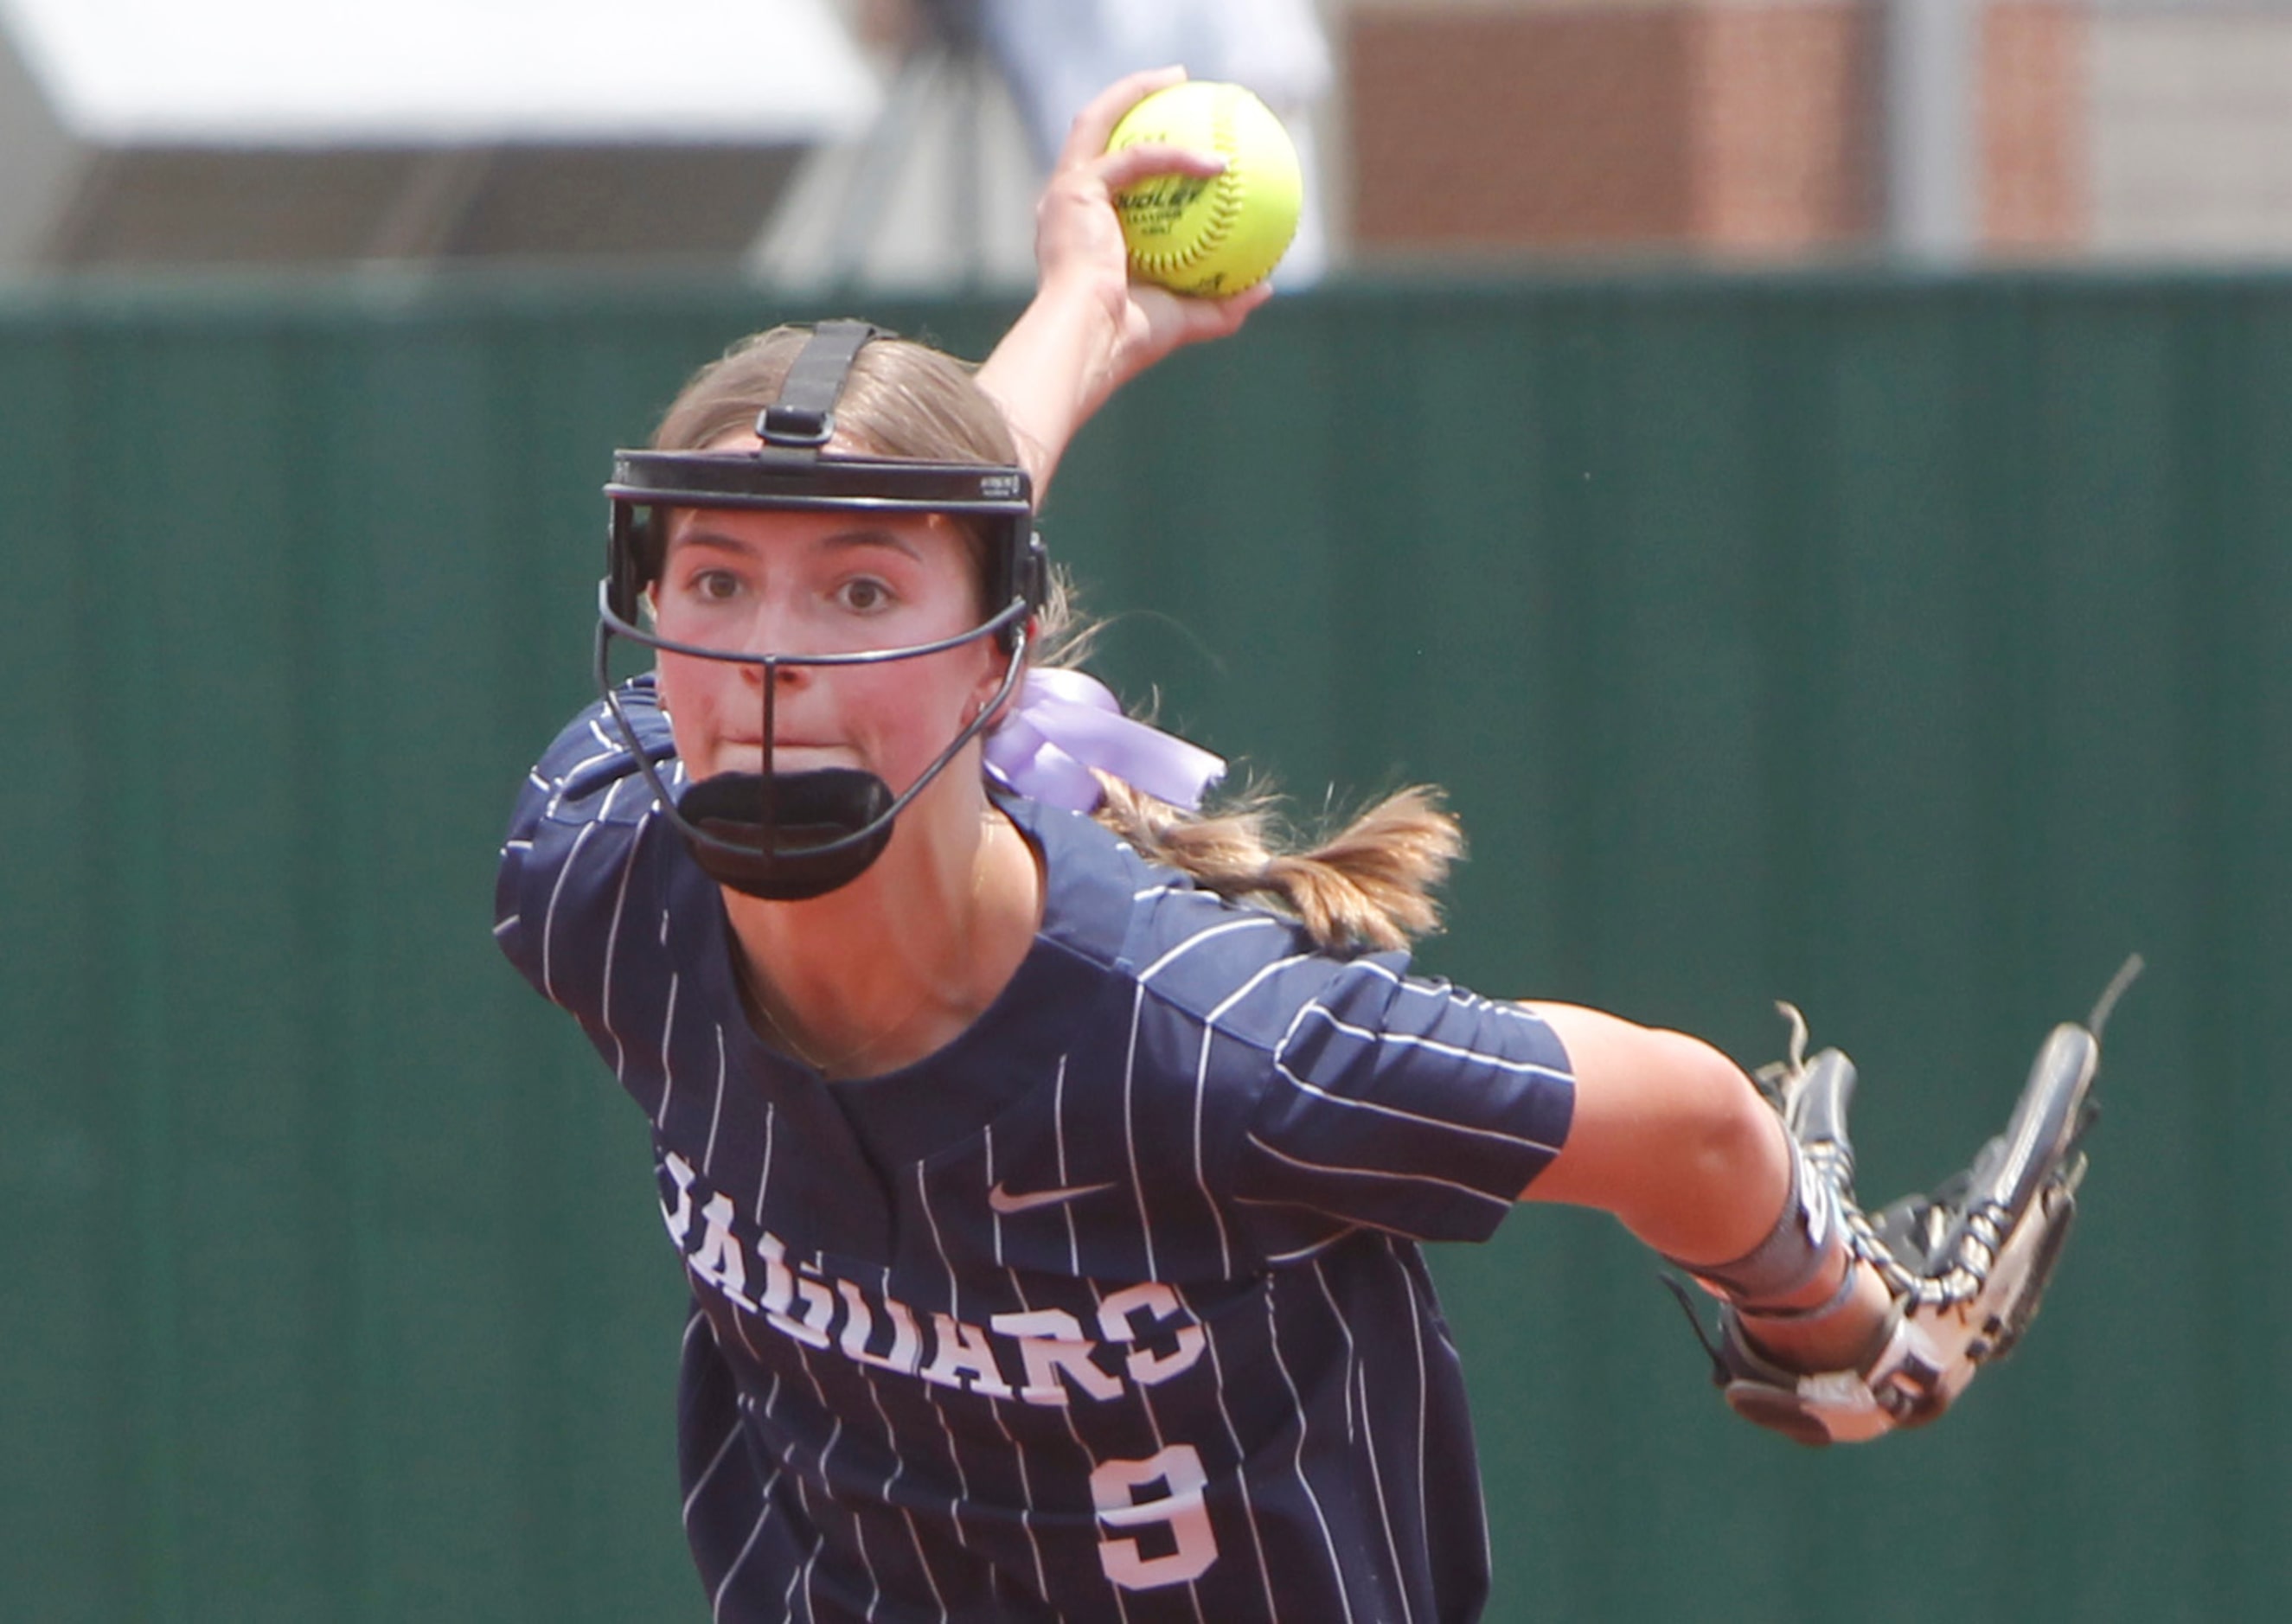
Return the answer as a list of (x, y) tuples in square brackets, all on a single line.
[(790, 836)]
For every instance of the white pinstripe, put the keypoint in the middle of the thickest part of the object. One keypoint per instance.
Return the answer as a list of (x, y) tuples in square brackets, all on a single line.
[(1306, 1085), (1152, 1272), (899, 1467), (804, 1502), (1241, 1482), (1460, 996), (585, 763), (1058, 1139), (764, 1178), (858, 1527), (612, 955), (1380, 1174), (1201, 1091), (1297, 1408), (993, 1219), (1424, 1387), (667, 1071), (954, 1446), (1130, 1128), (549, 919), (716, 1601), (1407, 1040), (1066, 1413), (1352, 1225), (763, 1513), (715, 1110), (1281, 1259), (1352, 1352), (994, 1407), (715, 1460), (1249, 922), (1161, 1438), (1201, 1177), (1356, 1392)]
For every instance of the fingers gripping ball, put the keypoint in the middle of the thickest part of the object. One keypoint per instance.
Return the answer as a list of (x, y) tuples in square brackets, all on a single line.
[(1216, 235)]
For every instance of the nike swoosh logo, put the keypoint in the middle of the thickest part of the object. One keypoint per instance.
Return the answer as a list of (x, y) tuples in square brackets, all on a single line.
[(1007, 1201)]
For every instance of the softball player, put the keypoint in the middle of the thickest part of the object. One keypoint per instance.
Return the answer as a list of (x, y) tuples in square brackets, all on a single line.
[(1049, 1159)]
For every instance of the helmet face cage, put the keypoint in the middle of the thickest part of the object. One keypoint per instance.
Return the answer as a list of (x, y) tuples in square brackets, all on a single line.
[(787, 836)]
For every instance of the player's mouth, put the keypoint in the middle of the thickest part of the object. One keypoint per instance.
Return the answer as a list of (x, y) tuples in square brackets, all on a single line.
[(789, 755)]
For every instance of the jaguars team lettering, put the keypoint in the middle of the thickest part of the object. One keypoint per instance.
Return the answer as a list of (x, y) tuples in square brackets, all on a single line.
[(1145, 1334)]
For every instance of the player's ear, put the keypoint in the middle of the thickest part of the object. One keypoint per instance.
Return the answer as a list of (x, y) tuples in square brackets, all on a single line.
[(990, 681)]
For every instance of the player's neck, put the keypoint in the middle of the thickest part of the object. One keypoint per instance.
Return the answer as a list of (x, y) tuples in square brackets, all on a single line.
[(878, 973)]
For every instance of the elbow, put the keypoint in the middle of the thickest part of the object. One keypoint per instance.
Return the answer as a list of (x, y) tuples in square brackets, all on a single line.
[(1669, 1136), (1728, 1171)]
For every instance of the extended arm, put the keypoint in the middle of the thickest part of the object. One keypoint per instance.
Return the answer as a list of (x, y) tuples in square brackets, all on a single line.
[(1090, 329), (1671, 1137)]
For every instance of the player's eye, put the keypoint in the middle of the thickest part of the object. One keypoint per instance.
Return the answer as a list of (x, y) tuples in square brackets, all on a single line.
[(863, 595), (714, 585)]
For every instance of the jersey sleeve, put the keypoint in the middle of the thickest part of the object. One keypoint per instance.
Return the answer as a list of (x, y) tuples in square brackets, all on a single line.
[(575, 841), (1399, 1104)]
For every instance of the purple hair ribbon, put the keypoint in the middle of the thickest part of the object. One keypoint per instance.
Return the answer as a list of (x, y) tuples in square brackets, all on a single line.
[(1066, 723)]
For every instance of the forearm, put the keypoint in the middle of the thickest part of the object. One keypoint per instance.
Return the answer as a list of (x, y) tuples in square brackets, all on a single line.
[(1052, 370), (1089, 329), (1837, 1318), (1673, 1138)]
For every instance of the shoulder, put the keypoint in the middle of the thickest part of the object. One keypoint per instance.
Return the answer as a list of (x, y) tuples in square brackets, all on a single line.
[(1202, 961), (590, 771), (581, 820), (1152, 924)]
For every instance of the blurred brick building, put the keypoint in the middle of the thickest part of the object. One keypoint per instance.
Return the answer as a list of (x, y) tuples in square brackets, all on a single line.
[(1776, 128), (842, 140)]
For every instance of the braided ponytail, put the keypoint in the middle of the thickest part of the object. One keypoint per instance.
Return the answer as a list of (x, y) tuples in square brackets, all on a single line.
[(1369, 885)]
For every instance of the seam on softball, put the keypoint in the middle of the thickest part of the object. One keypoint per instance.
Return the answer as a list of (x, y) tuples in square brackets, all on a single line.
[(1226, 193)]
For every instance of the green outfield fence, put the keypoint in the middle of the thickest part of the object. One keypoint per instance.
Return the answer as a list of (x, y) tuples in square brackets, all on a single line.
[(1911, 650)]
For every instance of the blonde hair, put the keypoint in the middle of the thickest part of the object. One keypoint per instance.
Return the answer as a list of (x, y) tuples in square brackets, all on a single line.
[(901, 400), (1367, 885)]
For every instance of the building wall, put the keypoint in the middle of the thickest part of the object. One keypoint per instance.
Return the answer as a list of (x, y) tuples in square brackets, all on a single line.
[(1710, 127), (1739, 127), (38, 163), (2191, 128)]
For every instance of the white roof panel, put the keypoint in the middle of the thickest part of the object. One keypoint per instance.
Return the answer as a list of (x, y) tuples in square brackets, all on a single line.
[(442, 72)]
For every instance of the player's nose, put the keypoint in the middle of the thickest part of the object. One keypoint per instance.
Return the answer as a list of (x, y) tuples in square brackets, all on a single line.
[(779, 626)]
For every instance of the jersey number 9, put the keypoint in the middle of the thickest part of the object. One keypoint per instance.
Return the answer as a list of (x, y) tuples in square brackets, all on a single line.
[(1113, 1490)]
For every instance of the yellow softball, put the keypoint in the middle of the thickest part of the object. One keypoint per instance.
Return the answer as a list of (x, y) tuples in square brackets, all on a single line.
[(1216, 235)]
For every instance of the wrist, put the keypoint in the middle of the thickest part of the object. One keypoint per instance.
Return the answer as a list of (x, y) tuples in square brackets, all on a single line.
[(1845, 1332)]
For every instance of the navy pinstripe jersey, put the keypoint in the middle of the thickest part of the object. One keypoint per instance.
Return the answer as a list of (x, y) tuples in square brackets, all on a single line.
[(1113, 1308)]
